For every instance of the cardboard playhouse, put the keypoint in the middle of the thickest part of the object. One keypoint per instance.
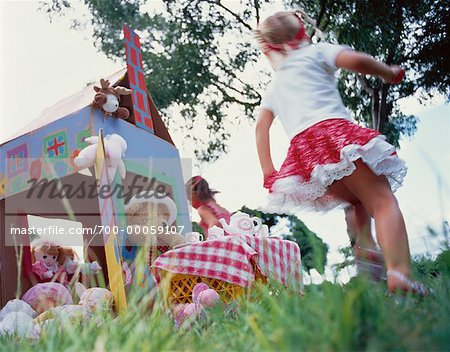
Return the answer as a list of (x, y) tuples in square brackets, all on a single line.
[(46, 149)]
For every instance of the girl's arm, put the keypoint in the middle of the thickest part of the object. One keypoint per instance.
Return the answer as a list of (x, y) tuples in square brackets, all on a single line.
[(263, 124), (366, 64)]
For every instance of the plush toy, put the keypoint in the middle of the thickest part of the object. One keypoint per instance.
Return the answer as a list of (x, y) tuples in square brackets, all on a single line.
[(108, 99), (44, 296), (202, 297), (44, 256), (95, 298), (115, 147), (92, 300), (150, 219), (20, 324), (17, 305), (69, 260)]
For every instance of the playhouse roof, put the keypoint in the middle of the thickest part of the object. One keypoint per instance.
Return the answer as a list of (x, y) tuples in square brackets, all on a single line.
[(79, 101)]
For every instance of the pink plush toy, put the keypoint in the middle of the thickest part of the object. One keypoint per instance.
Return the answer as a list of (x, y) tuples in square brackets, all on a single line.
[(203, 297), (42, 297)]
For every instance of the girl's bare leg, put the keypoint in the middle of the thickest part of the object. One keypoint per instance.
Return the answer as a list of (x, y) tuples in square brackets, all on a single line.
[(359, 231), (376, 196), (358, 226)]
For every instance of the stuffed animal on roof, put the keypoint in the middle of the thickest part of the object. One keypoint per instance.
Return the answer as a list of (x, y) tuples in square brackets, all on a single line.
[(108, 99)]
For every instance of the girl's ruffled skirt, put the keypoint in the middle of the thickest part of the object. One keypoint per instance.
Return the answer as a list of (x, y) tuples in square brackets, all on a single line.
[(325, 153)]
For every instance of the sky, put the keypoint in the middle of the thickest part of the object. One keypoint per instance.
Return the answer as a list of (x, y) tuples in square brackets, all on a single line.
[(42, 63)]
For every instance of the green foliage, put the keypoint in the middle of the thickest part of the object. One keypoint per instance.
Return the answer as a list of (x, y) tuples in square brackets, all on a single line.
[(199, 56), (425, 266), (313, 249), (196, 228)]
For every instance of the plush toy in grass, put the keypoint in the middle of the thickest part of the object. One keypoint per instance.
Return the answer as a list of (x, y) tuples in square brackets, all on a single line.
[(202, 297), (92, 300), (17, 305), (95, 298), (108, 99), (44, 296), (17, 323), (115, 147)]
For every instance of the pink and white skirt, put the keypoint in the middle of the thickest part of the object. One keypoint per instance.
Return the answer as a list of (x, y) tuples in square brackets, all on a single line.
[(325, 153)]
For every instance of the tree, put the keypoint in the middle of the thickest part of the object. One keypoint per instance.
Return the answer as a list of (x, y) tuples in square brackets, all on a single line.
[(199, 55), (313, 249)]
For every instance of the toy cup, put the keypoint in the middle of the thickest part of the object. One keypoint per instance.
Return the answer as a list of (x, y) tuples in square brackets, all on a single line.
[(263, 231), (194, 237), (215, 232)]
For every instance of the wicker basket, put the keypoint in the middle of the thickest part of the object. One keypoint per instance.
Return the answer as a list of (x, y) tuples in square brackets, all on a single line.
[(178, 288)]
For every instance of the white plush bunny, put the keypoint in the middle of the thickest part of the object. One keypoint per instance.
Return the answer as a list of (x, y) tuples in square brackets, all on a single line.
[(17, 305), (20, 324), (115, 147)]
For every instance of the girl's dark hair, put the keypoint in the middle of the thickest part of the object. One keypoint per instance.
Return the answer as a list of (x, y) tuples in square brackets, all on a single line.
[(199, 186)]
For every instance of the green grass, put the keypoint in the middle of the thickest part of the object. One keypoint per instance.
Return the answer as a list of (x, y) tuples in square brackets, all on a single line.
[(330, 317)]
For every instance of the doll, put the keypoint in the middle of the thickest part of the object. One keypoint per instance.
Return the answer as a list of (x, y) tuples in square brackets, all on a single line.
[(69, 260), (44, 255)]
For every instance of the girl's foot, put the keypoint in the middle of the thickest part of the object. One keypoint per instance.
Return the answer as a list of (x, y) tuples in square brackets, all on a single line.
[(399, 282)]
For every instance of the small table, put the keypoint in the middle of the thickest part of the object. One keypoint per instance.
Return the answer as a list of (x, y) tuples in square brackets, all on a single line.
[(236, 260)]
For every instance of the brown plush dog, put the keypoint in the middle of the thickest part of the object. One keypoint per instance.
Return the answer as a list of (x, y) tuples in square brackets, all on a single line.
[(108, 99)]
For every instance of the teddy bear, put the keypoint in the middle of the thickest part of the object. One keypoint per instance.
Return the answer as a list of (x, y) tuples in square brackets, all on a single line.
[(107, 99), (115, 147), (150, 221)]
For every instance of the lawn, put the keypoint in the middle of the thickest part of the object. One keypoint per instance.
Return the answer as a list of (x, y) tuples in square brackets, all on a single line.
[(356, 316)]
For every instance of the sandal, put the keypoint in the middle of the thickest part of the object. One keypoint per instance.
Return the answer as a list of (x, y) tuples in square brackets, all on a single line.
[(410, 286)]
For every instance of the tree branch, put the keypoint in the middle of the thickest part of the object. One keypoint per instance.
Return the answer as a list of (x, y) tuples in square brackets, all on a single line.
[(230, 98), (235, 15), (222, 66), (256, 2), (323, 4), (365, 84)]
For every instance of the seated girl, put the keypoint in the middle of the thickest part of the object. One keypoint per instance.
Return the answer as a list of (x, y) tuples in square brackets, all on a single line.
[(202, 199)]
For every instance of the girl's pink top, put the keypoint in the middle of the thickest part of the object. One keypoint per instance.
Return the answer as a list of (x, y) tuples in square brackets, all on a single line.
[(218, 213)]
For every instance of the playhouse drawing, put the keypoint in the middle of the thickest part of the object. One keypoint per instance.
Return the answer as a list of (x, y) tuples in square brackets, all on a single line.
[(46, 150)]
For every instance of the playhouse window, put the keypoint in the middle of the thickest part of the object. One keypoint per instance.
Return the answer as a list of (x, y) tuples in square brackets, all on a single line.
[(64, 232)]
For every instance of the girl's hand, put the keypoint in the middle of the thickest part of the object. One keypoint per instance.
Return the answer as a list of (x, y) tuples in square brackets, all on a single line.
[(267, 174), (394, 75)]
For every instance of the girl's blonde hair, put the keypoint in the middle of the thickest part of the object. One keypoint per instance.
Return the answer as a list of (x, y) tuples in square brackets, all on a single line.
[(282, 27), (279, 28)]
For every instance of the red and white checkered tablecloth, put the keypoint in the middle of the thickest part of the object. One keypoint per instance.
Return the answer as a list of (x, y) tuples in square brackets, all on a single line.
[(230, 259)]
